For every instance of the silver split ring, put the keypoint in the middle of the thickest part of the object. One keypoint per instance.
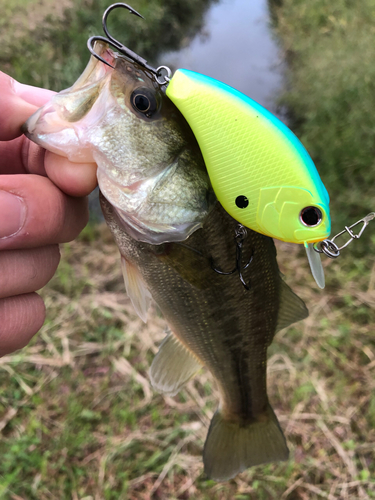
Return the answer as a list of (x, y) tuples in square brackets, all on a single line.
[(329, 248), (166, 77)]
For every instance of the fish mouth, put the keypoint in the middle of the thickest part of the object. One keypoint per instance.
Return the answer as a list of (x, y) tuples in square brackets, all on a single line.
[(28, 128)]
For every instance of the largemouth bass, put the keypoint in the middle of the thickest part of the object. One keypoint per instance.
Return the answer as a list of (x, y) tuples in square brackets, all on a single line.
[(146, 152), (216, 323)]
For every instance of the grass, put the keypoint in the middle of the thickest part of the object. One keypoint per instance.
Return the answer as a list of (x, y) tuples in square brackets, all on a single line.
[(44, 42), (330, 95), (79, 419)]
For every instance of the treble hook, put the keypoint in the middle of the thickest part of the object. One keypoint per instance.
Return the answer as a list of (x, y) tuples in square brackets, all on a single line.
[(241, 234), (124, 50)]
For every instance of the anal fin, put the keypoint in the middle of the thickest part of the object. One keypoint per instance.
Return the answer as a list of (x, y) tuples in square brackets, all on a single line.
[(230, 447), (172, 366), (136, 288)]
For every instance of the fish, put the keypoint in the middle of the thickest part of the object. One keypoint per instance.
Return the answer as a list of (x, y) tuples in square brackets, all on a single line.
[(135, 133), (102, 118), (260, 171), (216, 323)]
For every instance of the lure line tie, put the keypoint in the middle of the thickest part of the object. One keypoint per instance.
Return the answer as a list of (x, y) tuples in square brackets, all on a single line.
[(331, 249)]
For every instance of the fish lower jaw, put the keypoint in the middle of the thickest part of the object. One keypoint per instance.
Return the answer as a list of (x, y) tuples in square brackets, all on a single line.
[(155, 234), (140, 214)]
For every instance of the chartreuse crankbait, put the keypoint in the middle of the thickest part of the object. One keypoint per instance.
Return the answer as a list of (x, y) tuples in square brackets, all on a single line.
[(260, 171)]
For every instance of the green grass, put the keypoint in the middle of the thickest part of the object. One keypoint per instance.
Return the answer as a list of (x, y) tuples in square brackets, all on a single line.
[(331, 96), (80, 420), (45, 43)]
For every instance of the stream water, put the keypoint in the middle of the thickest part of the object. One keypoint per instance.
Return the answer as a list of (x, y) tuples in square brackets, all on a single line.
[(236, 47)]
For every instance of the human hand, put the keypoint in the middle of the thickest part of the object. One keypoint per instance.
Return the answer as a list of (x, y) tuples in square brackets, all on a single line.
[(42, 204)]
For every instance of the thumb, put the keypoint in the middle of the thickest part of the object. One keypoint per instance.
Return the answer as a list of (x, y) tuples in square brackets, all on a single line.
[(14, 108), (33, 95)]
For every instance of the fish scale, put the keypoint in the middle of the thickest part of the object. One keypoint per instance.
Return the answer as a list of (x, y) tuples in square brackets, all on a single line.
[(228, 303)]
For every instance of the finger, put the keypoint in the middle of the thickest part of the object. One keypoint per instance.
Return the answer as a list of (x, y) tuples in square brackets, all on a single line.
[(21, 156), (27, 270), (75, 179), (14, 110), (33, 95), (21, 317), (35, 213), (17, 103)]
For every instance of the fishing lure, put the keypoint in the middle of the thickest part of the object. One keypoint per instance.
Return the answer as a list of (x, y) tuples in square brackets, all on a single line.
[(259, 170)]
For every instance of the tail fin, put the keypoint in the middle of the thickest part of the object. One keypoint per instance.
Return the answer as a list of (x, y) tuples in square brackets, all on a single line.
[(231, 448)]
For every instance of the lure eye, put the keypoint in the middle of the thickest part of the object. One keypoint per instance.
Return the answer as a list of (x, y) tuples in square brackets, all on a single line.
[(144, 101), (311, 216), (241, 201)]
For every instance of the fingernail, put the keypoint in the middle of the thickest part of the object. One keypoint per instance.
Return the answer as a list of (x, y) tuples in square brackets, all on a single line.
[(12, 214), (32, 95)]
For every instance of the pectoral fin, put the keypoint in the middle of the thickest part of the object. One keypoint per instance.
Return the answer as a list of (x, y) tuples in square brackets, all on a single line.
[(173, 366), (136, 288), (291, 308)]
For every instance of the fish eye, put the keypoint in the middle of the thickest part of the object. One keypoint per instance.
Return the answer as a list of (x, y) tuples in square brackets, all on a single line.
[(241, 201), (144, 101), (311, 216)]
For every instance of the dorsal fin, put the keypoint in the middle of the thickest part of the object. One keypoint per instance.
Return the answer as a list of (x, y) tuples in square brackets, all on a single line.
[(291, 308), (173, 366), (136, 288)]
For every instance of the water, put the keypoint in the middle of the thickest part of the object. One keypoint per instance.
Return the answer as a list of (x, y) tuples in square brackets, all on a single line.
[(237, 48)]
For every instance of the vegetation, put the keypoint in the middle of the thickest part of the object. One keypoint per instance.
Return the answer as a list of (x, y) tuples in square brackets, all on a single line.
[(80, 420), (330, 95), (53, 53), (78, 417)]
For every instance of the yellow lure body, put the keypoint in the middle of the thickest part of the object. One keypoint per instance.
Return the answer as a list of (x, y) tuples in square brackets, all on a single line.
[(259, 170)]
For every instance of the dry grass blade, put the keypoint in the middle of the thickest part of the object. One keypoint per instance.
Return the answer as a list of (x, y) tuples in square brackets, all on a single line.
[(123, 366), (171, 462), (347, 459)]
